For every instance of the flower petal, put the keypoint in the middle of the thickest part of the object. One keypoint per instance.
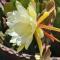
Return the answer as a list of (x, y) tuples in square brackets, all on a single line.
[(39, 42), (49, 28), (51, 37)]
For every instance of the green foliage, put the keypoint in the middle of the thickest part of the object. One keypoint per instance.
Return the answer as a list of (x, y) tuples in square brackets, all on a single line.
[(13, 1), (24, 2), (57, 20), (57, 2), (38, 6), (9, 7)]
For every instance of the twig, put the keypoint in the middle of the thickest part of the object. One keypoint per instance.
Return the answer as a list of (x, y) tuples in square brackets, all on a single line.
[(11, 51)]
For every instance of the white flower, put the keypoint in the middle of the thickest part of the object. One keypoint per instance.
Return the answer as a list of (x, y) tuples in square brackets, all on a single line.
[(22, 25)]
